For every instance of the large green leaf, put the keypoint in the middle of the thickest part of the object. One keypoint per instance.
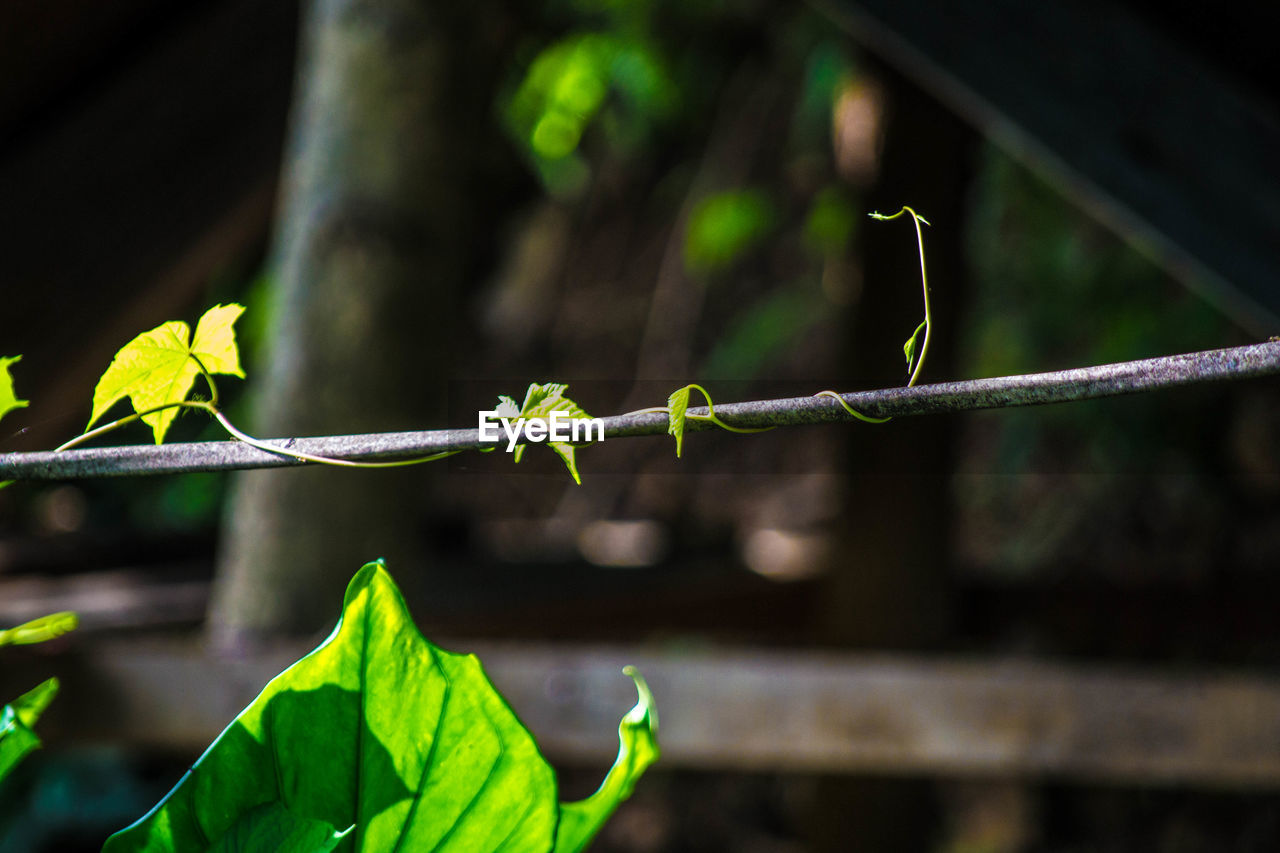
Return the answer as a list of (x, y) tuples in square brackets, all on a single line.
[(378, 731), (8, 397), (157, 368), (271, 828), (637, 749), (16, 721)]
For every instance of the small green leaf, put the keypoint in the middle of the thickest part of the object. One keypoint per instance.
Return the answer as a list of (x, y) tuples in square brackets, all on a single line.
[(566, 454), (637, 749), (507, 408), (909, 348), (8, 397), (157, 368), (40, 630), (539, 402), (678, 404), (17, 720), (272, 828)]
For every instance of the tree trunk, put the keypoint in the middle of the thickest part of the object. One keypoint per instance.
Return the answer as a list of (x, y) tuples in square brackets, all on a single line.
[(382, 181)]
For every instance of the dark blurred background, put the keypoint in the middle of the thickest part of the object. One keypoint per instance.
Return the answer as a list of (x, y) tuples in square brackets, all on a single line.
[(1047, 629)]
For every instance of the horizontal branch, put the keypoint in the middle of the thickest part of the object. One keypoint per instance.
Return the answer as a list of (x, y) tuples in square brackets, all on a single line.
[(1029, 390)]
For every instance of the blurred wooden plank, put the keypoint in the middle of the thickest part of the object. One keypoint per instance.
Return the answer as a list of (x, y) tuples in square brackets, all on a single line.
[(1140, 130), (750, 710), (112, 599)]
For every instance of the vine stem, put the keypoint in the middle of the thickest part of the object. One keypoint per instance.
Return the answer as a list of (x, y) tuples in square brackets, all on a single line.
[(211, 406), (917, 220), (1237, 363), (128, 419), (316, 458)]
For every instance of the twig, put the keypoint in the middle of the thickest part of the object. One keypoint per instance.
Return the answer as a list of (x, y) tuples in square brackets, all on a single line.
[(1063, 386)]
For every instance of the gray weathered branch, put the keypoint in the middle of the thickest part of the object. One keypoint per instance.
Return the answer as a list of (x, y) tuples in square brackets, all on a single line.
[(1063, 386)]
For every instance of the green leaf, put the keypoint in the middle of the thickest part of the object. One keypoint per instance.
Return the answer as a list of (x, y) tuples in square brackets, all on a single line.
[(566, 454), (678, 404), (637, 749), (17, 720), (909, 348), (40, 630), (157, 368), (507, 408), (376, 729), (8, 397), (539, 402), (272, 828)]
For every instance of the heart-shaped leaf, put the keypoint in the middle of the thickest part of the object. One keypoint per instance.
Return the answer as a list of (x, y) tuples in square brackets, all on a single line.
[(272, 828), (380, 731), (157, 368)]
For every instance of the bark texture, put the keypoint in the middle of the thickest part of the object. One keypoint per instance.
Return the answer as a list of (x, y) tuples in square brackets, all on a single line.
[(391, 124)]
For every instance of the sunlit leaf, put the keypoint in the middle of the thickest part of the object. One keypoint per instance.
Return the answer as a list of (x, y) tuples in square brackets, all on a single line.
[(17, 720), (40, 630), (157, 368), (637, 749), (678, 404), (539, 402), (8, 397), (272, 828), (566, 454), (909, 348), (381, 731), (507, 408)]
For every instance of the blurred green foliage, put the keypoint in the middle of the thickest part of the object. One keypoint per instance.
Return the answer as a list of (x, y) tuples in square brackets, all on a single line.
[(832, 219), (1054, 289), (723, 226), (761, 332), (624, 81)]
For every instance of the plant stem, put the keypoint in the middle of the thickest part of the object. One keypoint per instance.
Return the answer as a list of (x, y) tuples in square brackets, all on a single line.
[(318, 459), (917, 219), (128, 419)]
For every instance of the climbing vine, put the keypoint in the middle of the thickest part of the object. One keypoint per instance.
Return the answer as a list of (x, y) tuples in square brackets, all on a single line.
[(157, 370)]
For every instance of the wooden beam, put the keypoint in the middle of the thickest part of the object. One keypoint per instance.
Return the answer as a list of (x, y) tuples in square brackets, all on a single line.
[(1142, 132), (752, 710)]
